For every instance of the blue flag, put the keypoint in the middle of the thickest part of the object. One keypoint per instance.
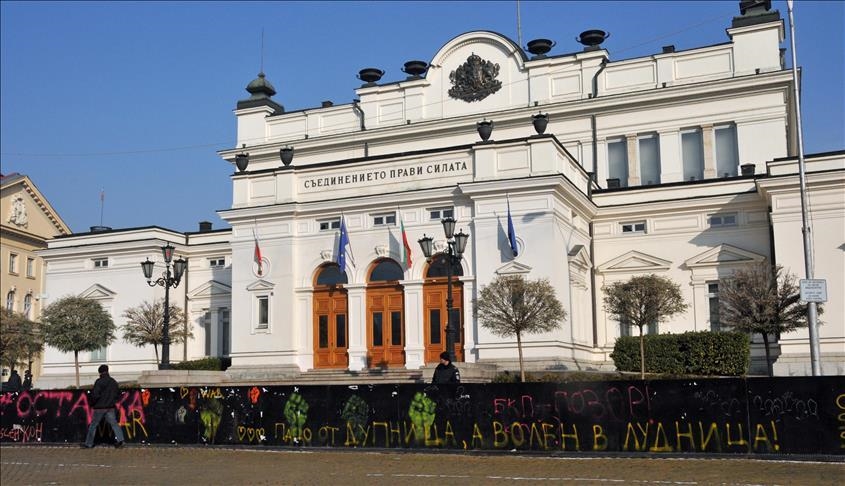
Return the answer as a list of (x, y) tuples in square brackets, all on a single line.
[(342, 245), (512, 232)]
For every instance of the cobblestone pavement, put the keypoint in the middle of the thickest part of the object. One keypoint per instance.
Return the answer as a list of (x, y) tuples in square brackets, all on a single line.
[(148, 465)]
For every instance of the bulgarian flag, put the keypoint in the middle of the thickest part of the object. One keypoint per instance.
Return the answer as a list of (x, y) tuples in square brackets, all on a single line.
[(406, 248), (257, 255)]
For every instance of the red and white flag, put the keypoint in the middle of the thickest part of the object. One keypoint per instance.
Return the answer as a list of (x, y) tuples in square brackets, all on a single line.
[(406, 248), (257, 255)]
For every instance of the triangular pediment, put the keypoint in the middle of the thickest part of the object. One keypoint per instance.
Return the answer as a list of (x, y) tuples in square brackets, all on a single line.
[(24, 209), (98, 292), (210, 289), (724, 255), (579, 258), (635, 261), (513, 268), (260, 285)]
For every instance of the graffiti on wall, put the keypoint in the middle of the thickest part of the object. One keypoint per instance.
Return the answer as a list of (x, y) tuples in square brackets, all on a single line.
[(757, 415)]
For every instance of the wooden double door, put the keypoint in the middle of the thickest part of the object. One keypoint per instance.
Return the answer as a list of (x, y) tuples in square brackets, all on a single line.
[(385, 326), (435, 319), (331, 329)]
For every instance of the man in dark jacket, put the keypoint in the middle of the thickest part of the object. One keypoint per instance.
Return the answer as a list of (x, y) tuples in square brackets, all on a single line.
[(14, 383), (103, 398), (445, 372)]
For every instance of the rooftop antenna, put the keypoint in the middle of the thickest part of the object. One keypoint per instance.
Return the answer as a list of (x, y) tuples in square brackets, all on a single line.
[(518, 26), (102, 204), (262, 50)]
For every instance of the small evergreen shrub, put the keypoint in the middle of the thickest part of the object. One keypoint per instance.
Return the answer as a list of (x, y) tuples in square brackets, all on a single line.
[(208, 364), (690, 353)]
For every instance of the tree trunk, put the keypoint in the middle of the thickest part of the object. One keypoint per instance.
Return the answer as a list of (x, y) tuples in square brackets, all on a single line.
[(155, 347), (768, 357), (642, 354), (519, 349), (76, 366)]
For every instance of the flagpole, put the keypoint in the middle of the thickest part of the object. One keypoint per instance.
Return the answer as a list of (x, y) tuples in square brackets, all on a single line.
[(812, 311)]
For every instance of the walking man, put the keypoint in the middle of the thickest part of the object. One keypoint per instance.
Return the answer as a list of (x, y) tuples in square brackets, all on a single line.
[(445, 372), (103, 397)]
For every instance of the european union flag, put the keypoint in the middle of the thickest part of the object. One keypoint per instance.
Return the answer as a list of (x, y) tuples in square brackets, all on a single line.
[(342, 246), (512, 232)]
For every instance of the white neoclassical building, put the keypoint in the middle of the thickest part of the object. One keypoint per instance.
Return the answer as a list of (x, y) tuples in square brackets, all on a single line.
[(682, 164)]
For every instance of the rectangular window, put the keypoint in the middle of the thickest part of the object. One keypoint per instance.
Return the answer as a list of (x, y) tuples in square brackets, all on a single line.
[(329, 224), (340, 328), (206, 325), (263, 312), (323, 331), (217, 262), (721, 220), (30, 267), (649, 160), (437, 214), (101, 262), (378, 339), (727, 152), (225, 330), (713, 301), (396, 328), (617, 161), (633, 227), (624, 328), (385, 219), (13, 263), (434, 326), (692, 151), (99, 354)]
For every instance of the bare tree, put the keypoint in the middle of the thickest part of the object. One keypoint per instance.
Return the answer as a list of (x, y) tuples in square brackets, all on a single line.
[(762, 299), (643, 300), (145, 325), (513, 306), (74, 324), (20, 339)]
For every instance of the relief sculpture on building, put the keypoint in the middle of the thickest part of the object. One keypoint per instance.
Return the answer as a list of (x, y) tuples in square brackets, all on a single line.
[(17, 213), (474, 80)]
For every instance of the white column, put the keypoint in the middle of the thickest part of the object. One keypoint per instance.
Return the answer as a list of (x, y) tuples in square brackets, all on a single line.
[(633, 161), (470, 339), (708, 140), (356, 295), (414, 340)]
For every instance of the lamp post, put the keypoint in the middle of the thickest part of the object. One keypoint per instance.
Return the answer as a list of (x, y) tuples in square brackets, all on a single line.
[(456, 243), (166, 280)]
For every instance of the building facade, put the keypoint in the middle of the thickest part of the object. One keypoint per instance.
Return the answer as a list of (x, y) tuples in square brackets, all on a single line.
[(681, 164), (28, 221)]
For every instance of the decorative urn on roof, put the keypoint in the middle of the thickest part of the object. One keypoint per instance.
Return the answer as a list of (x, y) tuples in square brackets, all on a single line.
[(370, 76), (415, 69), (539, 47), (592, 38)]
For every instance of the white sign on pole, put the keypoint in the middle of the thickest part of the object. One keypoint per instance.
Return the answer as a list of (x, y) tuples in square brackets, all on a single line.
[(813, 290)]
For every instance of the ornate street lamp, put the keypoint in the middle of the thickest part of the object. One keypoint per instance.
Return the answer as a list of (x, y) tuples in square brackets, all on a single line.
[(456, 244), (166, 280)]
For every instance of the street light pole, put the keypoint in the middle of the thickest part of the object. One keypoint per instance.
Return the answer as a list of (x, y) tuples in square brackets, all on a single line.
[(455, 246), (166, 280)]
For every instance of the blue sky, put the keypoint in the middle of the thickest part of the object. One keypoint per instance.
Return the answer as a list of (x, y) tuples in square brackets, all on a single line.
[(135, 98)]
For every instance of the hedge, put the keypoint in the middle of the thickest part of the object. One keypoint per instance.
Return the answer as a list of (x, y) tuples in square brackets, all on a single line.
[(209, 364), (690, 353)]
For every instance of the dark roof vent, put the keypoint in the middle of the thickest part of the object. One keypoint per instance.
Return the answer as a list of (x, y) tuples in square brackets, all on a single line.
[(370, 76), (754, 12), (668, 49), (539, 47), (415, 69), (205, 226), (592, 39), (100, 229), (326, 104), (614, 183)]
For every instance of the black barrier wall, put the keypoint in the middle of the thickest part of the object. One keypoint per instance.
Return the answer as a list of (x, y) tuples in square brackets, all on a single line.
[(759, 416)]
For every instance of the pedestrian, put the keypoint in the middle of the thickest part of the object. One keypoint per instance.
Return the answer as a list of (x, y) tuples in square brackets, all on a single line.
[(14, 382), (103, 397), (27, 380), (445, 372)]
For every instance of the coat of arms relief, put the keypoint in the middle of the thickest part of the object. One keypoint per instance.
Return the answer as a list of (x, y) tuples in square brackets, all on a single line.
[(474, 80)]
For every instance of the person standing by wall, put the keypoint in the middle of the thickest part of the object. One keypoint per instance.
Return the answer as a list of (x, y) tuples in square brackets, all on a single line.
[(14, 383), (103, 398), (27, 380), (445, 372)]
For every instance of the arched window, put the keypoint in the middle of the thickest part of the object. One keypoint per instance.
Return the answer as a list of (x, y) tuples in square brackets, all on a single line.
[(331, 275), (386, 271), (27, 306), (10, 301), (437, 267)]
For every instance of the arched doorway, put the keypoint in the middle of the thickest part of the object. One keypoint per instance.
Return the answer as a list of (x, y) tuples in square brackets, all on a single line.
[(385, 315), (434, 308), (331, 327)]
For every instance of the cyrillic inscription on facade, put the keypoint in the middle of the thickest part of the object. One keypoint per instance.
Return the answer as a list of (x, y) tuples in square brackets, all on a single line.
[(379, 176)]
